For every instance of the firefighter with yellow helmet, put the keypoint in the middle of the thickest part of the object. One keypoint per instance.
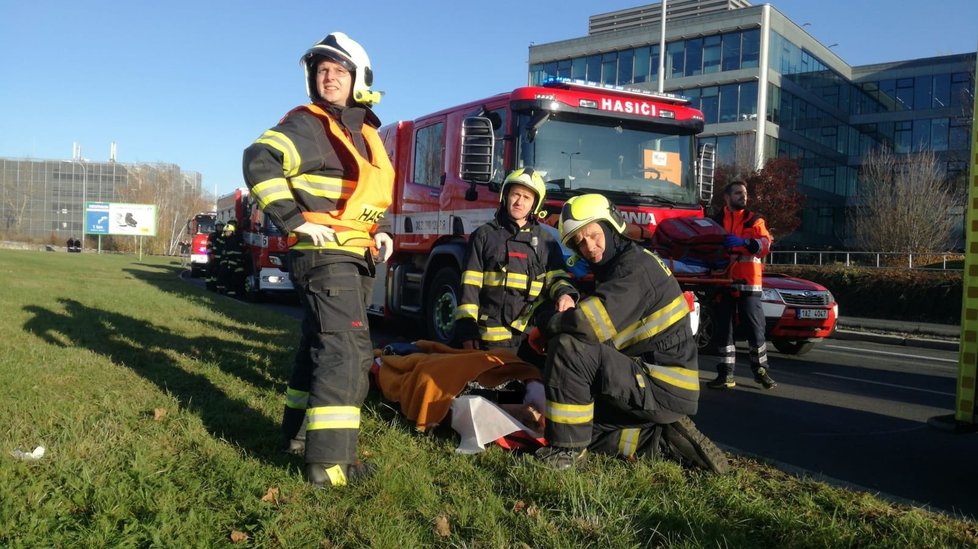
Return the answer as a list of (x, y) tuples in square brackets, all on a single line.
[(514, 270), (323, 176), (621, 375)]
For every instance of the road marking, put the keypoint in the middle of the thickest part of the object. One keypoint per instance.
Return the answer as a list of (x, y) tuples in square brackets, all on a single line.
[(892, 385), (901, 355)]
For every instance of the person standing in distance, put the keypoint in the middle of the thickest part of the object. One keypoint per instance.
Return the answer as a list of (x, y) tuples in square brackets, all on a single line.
[(749, 242), (323, 176)]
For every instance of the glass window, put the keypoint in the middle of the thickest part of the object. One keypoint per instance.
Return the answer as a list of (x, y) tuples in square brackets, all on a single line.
[(625, 67), (594, 68), (609, 68), (887, 94), (579, 68), (549, 70), (773, 104), (728, 103), (923, 92), (429, 151), (536, 74), (904, 94), (726, 149), (748, 101), (939, 134), (902, 136), (640, 64), (711, 54), (675, 59), (751, 48), (959, 134), (694, 56), (731, 51), (710, 104), (654, 63), (961, 89), (942, 91), (564, 68), (921, 135)]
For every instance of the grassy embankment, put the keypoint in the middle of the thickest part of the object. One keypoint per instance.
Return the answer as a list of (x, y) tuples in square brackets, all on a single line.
[(158, 404)]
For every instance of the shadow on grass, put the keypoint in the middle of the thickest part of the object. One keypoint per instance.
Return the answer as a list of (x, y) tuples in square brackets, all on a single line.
[(147, 350)]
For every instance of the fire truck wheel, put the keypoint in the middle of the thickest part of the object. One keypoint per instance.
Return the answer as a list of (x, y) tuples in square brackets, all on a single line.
[(441, 302), (195, 272), (251, 291), (794, 346)]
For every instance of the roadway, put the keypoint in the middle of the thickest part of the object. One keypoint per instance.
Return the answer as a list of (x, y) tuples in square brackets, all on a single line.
[(850, 412)]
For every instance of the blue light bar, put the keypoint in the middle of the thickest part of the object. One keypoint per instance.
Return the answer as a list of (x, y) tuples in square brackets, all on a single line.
[(576, 83)]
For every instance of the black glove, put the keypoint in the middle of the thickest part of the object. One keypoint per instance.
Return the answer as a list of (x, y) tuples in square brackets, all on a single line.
[(752, 245)]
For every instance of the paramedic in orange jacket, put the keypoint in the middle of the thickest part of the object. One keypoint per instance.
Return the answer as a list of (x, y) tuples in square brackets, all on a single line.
[(748, 242), (323, 176)]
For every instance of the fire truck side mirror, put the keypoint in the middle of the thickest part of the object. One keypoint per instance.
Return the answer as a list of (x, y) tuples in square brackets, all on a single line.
[(477, 142), (706, 163)]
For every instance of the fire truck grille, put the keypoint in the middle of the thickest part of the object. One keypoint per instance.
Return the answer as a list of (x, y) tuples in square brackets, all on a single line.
[(792, 297)]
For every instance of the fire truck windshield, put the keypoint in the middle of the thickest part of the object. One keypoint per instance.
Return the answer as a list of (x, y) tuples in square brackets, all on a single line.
[(205, 224), (629, 161)]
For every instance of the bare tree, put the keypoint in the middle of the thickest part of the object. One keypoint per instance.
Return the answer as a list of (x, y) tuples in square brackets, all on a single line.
[(905, 203)]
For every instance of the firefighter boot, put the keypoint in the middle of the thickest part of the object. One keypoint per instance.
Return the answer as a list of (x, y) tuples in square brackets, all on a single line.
[(325, 475), (559, 458), (761, 377), (684, 443), (724, 379)]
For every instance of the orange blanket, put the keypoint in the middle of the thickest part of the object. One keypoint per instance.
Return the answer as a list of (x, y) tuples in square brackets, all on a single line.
[(425, 383)]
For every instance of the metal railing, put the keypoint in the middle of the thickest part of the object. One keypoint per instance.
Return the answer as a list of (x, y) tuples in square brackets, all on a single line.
[(948, 261)]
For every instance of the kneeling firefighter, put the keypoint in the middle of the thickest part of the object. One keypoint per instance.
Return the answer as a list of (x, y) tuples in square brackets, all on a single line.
[(621, 372)]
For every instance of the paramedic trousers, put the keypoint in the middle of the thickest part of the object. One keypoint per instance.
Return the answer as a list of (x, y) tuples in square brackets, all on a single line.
[(601, 399), (752, 315), (329, 378)]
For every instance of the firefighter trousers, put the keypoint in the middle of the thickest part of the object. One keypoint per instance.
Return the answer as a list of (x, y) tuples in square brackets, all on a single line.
[(751, 314), (601, 399), (329, 378)]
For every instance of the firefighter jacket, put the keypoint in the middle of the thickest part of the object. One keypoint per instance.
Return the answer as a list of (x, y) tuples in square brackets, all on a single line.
[(215, 249), (638, 308), (326, 165), (509, 272), (748, 268)]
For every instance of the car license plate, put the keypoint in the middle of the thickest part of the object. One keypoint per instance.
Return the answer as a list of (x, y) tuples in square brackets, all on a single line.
[(816, 314)]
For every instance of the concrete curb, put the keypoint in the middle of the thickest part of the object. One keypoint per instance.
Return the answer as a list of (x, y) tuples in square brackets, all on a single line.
[(896, 339)]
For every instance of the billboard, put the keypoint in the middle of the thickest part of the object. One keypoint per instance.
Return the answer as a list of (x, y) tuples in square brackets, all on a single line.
[(120, 219)]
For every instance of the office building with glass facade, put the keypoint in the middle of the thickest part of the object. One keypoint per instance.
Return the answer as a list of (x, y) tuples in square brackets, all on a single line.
[(769, 89), (43, 200)]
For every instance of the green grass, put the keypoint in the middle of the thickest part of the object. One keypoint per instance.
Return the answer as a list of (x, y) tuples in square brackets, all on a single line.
[(159, 404)]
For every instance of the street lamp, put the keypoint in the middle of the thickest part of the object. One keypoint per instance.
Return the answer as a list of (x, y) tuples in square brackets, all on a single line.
[(84, 193)]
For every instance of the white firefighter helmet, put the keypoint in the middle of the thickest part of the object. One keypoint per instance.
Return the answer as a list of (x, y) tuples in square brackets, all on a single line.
[(529, 178), (580, 211), (340, 48)]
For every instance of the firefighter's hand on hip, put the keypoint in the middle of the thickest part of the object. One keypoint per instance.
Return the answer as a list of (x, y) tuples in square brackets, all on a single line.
[(385, 245), (564, 303), (320, 234)]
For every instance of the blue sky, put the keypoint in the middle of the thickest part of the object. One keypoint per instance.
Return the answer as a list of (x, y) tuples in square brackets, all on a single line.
[(193, 82)]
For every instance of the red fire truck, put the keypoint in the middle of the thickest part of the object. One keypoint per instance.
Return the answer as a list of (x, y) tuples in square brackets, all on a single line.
[(638, 148), (199, 228), (265, 245)]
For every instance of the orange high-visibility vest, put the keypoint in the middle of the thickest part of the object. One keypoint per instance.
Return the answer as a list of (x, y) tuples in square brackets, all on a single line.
[(747, 267), (373, 190)]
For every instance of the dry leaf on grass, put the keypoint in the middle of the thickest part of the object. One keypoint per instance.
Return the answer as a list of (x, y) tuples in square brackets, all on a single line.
[(271, 495), (159, 413), (238, 536), (442, 527)]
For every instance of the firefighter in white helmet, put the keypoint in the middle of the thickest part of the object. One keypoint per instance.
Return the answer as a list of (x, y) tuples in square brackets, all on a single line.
[(323, 176), (514, 270), (621, 375)]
